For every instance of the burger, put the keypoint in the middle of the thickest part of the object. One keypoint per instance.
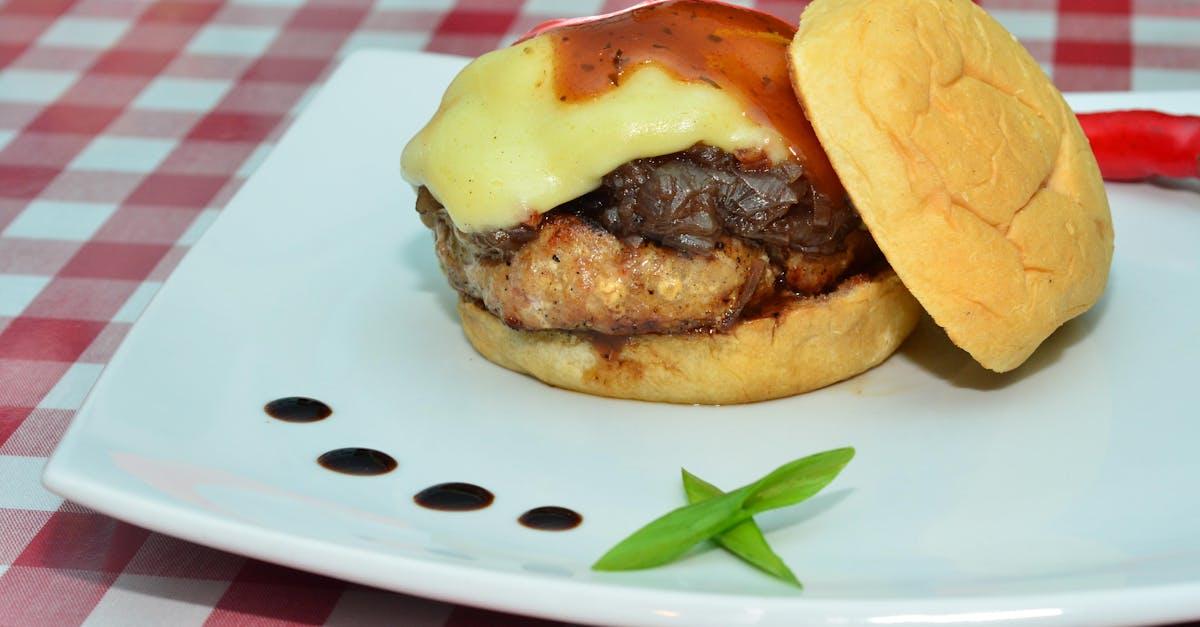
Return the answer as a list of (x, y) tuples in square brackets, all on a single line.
[(692, 202)]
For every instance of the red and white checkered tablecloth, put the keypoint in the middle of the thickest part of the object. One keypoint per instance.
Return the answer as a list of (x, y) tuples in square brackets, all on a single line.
[(125, 126)]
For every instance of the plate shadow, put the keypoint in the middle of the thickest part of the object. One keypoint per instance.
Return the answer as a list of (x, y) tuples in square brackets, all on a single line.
[(931, 350)]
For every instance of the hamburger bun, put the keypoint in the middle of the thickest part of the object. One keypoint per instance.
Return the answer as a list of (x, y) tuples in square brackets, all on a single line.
[(967, 166), (811, 343), (968, 169)]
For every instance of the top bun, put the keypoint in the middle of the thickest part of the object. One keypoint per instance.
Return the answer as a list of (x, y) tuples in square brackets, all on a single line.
[(967, 166)]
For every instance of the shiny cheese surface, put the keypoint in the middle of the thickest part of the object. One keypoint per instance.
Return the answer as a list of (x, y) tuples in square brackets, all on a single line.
[(504, 146)]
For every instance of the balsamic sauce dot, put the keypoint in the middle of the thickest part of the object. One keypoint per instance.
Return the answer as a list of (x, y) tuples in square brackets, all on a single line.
[(551, 518), (454, 497), (358, 461), (297, 409)]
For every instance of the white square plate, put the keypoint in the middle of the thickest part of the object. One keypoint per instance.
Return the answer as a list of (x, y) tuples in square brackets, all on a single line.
[(1062, 492)]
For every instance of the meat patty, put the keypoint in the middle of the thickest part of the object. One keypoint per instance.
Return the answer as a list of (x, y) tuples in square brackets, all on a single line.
[(808, 273), (665, 245), (577, 276)]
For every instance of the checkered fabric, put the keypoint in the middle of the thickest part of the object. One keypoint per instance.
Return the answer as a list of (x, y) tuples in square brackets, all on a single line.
[(125, 126)]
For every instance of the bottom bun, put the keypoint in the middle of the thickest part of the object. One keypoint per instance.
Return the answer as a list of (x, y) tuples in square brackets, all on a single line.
[(810, 343)]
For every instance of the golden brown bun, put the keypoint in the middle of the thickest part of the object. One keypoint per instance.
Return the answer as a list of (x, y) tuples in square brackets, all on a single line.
[(813, 343), (967, 166)]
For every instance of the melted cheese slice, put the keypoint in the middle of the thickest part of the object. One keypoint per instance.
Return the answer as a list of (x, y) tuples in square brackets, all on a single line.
[(503, 148)]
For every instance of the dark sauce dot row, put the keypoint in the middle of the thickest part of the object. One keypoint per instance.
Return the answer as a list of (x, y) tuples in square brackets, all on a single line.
[(298, 409), (447, 497)]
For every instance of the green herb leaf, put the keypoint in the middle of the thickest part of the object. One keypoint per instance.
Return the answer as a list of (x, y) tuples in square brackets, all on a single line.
[(671, 535), (744, 540), (798, 480)]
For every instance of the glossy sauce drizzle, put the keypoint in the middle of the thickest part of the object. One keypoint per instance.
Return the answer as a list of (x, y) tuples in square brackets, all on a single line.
[(732, 48), (454, 497), (551, 518), (297, 409), (358, 461)]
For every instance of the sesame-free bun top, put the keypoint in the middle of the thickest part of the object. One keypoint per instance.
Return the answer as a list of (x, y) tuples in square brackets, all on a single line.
[(967, 166)]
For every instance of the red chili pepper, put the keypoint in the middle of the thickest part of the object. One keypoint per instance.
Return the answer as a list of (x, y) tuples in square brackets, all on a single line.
[(1136, 145)]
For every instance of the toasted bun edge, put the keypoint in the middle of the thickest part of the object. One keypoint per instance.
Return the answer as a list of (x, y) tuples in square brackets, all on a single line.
[(814, 342)]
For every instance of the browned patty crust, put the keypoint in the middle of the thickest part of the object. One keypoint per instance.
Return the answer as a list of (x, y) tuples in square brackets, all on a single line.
[(630, 258), (577, 276)]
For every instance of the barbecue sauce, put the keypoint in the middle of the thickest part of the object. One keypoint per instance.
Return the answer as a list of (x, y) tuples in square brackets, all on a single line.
[(731, 48)]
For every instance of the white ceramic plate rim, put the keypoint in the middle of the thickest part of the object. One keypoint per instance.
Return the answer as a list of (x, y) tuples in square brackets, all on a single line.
[(559, 598), (604, 602)]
